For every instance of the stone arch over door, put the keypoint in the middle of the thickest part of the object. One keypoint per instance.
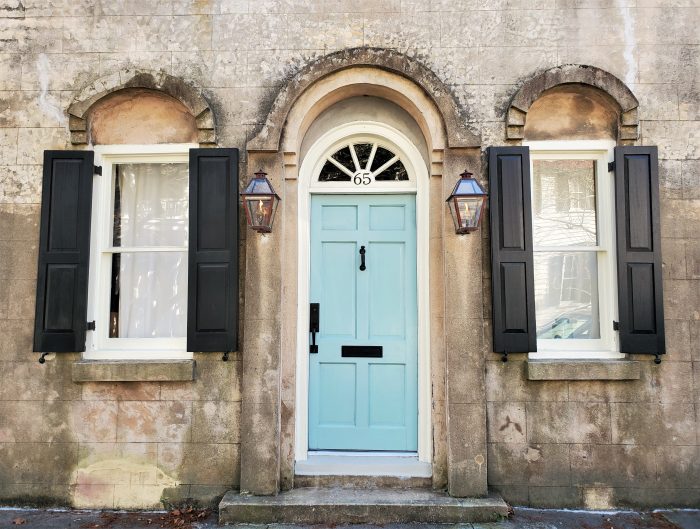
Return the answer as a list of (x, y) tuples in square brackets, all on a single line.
[(270, 332), (572, 74), (191, 97), (309, 82)]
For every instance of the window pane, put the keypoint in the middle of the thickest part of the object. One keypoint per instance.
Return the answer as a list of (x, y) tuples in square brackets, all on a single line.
[(150, 204), (396, 171), (566, 295), (363, 150), (149, 295), (381, 157), (345, 158), (564, 203), (330, 173)]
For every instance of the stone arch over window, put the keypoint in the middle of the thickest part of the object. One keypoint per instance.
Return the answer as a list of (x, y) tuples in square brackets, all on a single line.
[(164, 91), (602, 89)]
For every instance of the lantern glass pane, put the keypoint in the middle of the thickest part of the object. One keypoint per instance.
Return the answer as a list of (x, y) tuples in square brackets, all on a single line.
[(468, 211), (259, 211)]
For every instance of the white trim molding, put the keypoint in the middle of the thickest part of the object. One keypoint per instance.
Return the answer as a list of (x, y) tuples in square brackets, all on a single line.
[(417, 183), (394, 464), (601, 152), (98, 344)]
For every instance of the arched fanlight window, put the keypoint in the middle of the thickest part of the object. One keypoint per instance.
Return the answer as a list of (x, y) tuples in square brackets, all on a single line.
[(363, 164)]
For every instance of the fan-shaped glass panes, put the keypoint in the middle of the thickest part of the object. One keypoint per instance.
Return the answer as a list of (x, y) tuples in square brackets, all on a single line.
[(362, 164)]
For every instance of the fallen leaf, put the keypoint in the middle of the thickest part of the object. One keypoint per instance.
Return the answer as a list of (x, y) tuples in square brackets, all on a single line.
[(19, 521)]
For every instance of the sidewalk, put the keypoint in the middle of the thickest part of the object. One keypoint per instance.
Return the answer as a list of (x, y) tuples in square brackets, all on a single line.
[(521, 519)]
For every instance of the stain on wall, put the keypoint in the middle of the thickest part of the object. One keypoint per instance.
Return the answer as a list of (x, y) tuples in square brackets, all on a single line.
[(572, 112), (140, 116)]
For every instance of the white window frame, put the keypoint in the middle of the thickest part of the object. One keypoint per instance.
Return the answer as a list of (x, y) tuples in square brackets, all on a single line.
[(98, 344), (364, 132), (602, 152)]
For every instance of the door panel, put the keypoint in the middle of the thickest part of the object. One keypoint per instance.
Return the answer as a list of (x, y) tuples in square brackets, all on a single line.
[(340, 380), (364, 403), (338, 279), (386, 296)]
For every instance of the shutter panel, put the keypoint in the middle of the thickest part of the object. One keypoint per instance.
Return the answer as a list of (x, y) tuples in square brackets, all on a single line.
[(640, 293), (212, 305), (512, 276), (64, 252)]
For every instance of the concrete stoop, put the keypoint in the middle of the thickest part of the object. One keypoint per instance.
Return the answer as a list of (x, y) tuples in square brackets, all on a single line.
[(363, 506)]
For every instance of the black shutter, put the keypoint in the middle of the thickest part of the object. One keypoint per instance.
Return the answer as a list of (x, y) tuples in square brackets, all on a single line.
[(212, 305), (512, 277), (640, 294), (64, 252)]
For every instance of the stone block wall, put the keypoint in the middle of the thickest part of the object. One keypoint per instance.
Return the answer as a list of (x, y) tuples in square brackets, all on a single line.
[(551, 443)]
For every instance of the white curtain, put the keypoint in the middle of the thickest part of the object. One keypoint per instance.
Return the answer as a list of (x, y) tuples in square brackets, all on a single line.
[(153, 285)]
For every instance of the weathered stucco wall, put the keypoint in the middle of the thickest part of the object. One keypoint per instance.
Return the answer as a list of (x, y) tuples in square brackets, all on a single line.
[(551, 443)]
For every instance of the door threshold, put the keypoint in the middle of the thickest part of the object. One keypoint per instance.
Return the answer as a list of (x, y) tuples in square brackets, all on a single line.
[(394, 464)]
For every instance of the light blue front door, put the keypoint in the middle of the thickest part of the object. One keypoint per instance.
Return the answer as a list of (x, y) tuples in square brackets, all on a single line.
[(363, 380)]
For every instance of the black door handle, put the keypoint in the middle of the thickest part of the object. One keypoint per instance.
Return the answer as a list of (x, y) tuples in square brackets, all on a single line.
[(314, 310), (362, 259)]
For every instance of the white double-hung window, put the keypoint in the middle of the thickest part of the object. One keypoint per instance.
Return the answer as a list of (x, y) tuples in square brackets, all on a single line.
[(138, 261), (573, 249)]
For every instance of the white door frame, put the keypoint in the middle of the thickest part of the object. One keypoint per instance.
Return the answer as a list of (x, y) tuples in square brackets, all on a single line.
[(418, 183)]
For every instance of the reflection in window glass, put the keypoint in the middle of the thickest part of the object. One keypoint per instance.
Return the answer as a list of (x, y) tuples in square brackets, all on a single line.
[(564, 203), (566, 295), (345, 158), (381, 157), (395, 171), (363, 150), (331, 173)]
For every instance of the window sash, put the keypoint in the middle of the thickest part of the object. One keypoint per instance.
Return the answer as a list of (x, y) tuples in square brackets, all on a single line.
[(99, 346), (137, 249), (607, 345)]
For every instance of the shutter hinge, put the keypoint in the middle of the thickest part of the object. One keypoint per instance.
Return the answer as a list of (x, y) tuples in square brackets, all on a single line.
[(611, 167), (90, 326), (97, 169), (616, 325)]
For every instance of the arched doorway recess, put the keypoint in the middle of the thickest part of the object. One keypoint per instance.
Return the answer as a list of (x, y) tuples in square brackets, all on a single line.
[(274, 315), (392, 166)]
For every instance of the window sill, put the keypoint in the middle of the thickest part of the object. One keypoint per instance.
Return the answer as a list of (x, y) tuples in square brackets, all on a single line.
[(583, 370), (133, 370)]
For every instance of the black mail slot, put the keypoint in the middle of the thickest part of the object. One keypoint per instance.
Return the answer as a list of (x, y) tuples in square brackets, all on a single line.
[(362, 351)]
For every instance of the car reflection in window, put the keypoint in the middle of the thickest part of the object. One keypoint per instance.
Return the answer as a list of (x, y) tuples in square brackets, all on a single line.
[(569, 326)]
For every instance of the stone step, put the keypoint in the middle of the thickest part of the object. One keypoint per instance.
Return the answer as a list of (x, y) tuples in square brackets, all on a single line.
[(362, 506)]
